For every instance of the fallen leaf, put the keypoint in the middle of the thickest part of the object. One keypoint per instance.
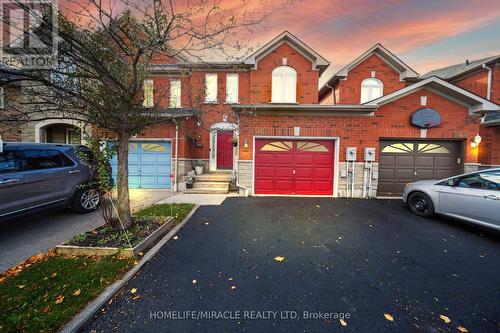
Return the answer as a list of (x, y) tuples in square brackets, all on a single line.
[(46, 309), (21, 286), (388, 316), (445, 318), (342, 322), (133, 290), (77, 292), (194, 281), (230, 279), (279, 258), (141, 253), (59, 299), (175, 237), (233, 287), (54, 274), (462, 329), (136, 297), (317, 206), (206, 223), (136, 262)]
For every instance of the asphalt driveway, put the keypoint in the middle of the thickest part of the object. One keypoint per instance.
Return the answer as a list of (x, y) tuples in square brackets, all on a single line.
[(361, 257)]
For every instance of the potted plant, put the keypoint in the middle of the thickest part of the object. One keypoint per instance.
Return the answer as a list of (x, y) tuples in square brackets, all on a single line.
[(198, 167), (190, 179), (234, 141)]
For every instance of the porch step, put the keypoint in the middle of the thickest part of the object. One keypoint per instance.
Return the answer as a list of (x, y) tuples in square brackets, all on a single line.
[(212, 185), (212, 177), (205, 191)]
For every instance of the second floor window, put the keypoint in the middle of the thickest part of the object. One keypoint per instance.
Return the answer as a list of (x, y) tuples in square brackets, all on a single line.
[(211, 88), (232, 88), (175, 94), (148, 94), (370, 89), (284, 85)]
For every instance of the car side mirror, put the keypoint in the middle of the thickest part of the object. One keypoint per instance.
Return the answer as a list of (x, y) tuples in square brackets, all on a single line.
[(450, 182)]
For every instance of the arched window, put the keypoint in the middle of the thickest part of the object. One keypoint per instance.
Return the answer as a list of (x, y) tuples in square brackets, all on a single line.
[(284, 85), (370, 89)]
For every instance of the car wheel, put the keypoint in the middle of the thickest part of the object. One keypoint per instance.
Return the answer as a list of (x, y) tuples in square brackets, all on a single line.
[(86, 200), (420, 204)]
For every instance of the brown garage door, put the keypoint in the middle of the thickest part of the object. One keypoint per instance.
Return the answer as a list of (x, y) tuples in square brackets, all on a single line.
[(405, 161)]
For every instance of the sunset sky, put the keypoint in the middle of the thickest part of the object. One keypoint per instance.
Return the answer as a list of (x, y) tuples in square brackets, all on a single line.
[(424, 34)]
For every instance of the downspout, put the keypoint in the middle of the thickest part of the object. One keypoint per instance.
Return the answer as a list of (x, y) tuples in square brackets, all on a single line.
[(238, 185), (490, 74), (333, 93), (176, 158)]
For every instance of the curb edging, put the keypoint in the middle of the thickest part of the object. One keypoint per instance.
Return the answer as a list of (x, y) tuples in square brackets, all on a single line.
[(88, 312)]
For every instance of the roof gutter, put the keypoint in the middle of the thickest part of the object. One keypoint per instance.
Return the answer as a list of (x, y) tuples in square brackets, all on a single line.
[(490, 74)]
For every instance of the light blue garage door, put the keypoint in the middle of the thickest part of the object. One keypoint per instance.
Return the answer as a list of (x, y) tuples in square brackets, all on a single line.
[(149, 164)]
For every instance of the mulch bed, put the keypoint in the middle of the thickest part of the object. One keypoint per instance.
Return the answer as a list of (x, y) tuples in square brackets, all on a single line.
[(107, 236)]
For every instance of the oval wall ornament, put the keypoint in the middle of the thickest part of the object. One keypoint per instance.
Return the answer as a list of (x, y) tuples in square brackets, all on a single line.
[(426, 118)]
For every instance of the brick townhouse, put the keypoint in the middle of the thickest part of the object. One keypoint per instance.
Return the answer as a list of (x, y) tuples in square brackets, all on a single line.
[(370, 128)]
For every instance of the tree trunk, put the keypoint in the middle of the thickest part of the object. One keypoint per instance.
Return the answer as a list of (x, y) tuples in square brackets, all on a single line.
[(122, 185)]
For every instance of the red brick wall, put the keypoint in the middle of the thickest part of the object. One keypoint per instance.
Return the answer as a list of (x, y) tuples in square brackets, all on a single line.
[(350, 88), (476, 82), (307, 78), (390, 121), (11, 105)]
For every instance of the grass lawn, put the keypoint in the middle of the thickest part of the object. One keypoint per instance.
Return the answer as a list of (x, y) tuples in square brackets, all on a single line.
[(178, 210), (48, 293)]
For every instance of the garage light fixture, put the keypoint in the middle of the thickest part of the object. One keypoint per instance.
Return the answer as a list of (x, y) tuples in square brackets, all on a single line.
[(476, 141)]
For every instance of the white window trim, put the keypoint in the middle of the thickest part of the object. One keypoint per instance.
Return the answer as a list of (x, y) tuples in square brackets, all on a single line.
[(283, 86), (207, 75), (178, 101), (370, 88), (146, 102), (236, 75)]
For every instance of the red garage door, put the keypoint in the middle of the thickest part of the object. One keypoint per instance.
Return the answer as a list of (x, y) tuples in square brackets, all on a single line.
[(285, 166)]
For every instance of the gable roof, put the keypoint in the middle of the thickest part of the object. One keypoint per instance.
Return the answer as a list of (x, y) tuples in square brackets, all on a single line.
[(405, 71), (455, 71), (318, 62), (475, 103)]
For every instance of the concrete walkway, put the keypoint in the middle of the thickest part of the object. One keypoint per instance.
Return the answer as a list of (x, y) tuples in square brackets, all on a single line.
[(199, 199)]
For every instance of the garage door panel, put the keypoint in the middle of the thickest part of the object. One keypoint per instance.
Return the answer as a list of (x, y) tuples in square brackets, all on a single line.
[(312, 162), (150, 165), (425, 161), (387, 160), (284, 184), (303, 172), (283, 172), (404, 173), (320, 172), (303, 159), (405, 161), (322, 159), (265, 171), (442, 161)]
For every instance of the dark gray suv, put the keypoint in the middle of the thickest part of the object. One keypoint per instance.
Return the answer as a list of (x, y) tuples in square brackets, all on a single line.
[(36, 176)]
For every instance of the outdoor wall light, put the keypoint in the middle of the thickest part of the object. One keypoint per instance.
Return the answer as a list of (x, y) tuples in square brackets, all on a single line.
[(245, 144), (476, 141)]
